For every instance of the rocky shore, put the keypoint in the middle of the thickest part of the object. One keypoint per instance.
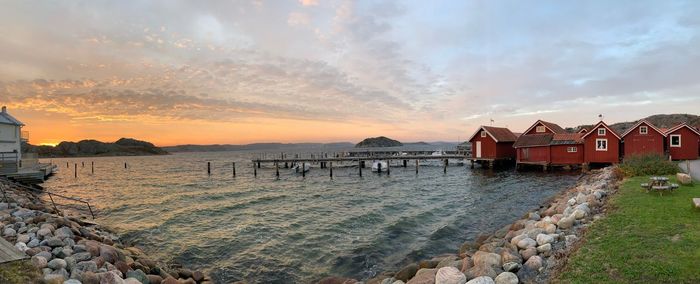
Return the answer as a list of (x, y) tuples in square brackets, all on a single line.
[(72, 250), (530, 250)]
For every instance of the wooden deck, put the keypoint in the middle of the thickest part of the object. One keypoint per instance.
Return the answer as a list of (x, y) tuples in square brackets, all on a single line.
[(8, 252)]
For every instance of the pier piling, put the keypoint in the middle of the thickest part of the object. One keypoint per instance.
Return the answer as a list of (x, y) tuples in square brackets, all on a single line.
[(255, 171), (405, 163), (303, 167), (125, 165), (83, 164), (444, 168), (416, 166), (277, 170), (233, 168), (92, 167), (361, 163), (331, 169), (76, 170), (388, 167), (209, 168)]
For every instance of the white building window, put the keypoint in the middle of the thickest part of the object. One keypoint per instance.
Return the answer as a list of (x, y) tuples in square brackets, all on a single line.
[(643, 130), (483, 133), (601, 144), (539, 129), (571, 149), (675, 140), (601, 131)]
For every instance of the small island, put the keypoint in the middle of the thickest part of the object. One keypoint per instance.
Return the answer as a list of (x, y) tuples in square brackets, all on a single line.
[(83, 148), (380, 141)]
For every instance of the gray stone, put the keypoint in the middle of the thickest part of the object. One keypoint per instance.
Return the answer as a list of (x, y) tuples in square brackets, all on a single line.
[(44, 233), (526, 243), (423, 276), (481, 280), (33, 243), (511, 266), (79, 248), (39, 261), (111, 277), (571, 201), (72, 281), (45, 254), (70, 263), (565, 223), (544, 239), (21, 246), (545, 248), (407, 272), (23, 213), (54, 242), (63, 232), (82, 256), (578, 214), (450, 275), (86, 266), (535, 262), (57, 263), (534, 216), (133, 281), (9, 232), (529, 252), (506, 278), (54, 278), (571, 239), (138, 274), (23, 238), (62, 272)]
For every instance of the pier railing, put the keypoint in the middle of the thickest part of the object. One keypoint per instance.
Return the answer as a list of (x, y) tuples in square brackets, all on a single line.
[(50, 194)]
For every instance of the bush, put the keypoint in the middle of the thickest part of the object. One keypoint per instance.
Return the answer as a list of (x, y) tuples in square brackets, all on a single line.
[(648, 165)]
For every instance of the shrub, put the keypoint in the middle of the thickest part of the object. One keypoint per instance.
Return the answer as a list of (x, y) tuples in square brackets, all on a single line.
[(648, 164)]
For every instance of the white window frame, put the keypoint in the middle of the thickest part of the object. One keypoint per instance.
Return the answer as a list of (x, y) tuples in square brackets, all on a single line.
[(540, 129), (670, 141), (646, 130), (601, 133), (601, 149), (571, 149), (483, 133)]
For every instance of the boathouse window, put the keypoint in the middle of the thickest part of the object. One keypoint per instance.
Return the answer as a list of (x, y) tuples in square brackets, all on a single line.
[(483, 133), (675, 140), (601, 131), (539, 129), (601, 144), (643, 130), (571, 149)]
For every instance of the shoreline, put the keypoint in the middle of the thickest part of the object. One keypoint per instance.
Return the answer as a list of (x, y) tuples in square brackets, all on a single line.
[(71, 249), (532, 249)]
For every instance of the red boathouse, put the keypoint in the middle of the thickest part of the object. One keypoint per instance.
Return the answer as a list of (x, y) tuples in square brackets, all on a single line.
[(643, 138), (601, 145), (683, 142), (492, 143)]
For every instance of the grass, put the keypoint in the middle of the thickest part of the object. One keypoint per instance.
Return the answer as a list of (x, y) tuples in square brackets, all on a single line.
[(19, 272), (645, 238)]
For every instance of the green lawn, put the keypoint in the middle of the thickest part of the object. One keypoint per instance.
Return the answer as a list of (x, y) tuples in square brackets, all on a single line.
[(645, 238)]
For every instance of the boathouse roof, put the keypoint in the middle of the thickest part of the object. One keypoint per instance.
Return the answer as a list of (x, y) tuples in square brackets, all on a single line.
[(533, 140), (6, 118), (567, 139), (499, 134), (675, 128)]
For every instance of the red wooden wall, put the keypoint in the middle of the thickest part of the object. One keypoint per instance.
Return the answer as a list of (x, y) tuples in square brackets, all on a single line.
[(612, 155), (636, 144), (689, 145), (560, 155)]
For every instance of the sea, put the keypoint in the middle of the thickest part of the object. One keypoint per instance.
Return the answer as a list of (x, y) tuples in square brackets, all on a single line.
[(296, 229)]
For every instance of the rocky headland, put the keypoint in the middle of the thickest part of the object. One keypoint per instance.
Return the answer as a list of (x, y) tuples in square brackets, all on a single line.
[(530, 250), (72, 250), (84, 148)]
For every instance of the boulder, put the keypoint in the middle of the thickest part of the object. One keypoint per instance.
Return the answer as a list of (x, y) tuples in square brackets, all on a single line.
[(57, 263), (544, 239), (526, 243), (154, 279), (70, 263), (44, 233), (684, 178), (534, 216), (9, 232), (138, 274), (197, 276), (21, 246), (535, 262), (508, 255), (72, 281), (109, 254), (23, 238), (545, 248), (450, 275), (527, 275), (424, 276), (39, 261), (565, 223), (86, 266), (327, 280), (570, 239), (428, 263), (133, 281), (516, 239), (407, 272), (63, 232), (578, 214), (82, 256), (53, 278), (122, 266), (506, 278), (527, 253), (512, 266), (169, 280), (111, 277), (481, 280), (88, 277)]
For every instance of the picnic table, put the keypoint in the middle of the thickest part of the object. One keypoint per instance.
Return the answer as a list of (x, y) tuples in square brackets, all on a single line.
[(659, 184)]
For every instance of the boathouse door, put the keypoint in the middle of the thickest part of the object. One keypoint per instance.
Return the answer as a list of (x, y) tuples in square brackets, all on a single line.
[(478, 149)]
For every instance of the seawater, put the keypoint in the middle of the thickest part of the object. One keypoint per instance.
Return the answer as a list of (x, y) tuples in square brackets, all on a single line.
[(297, 229)]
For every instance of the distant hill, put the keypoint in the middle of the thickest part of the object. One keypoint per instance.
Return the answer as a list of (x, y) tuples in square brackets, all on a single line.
[(658, 120), (255, 147), (122, 147), (378, 142)]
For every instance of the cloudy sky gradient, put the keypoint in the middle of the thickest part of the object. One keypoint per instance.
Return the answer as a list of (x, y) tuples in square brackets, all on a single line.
[(176, 72)]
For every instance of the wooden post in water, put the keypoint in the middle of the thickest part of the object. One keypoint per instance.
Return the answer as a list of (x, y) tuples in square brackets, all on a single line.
[(76, 170), (303, 167), (416, 166), (125, 165), (405, 163), (233, 168), (277, 169), (359, 166), (67, 166), (209, 168), (83, 164), (331, 165), (388, 167), (92, 167), (444, 169), (255, 170)]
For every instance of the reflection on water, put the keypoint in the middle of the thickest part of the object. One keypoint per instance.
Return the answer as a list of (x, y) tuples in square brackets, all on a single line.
[(297, 229)]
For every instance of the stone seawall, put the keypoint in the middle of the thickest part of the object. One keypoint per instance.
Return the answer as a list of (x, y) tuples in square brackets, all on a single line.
[(71, 250), (530, 250)]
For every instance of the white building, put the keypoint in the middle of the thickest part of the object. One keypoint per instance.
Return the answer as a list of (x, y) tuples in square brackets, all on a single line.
[(10, 137)]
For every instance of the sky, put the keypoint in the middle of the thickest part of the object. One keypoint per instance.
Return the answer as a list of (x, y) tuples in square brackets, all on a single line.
[(204, 72)]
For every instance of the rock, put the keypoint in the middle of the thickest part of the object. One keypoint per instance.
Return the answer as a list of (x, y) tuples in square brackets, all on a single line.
[(23, 238), (70, 263), (88, 277), (529, 252), (33, 243), (197, 276), (446, 261), (111, 277), (23, 213), (571, 201), (511, 266), (534, 216), (92, 247), (481, 280), (79, 248), (82, 256), (72, 281), (506, 278), (110, 254), (450, 275), (57, 263), (550, 228), (39, 261), (44, 233), (53, 278), (86, 266), (9, 232), (133, 281), (63, 232), (526, 243), (684, 178), (429, 263), (545, 248), (508, 255), (578, 214), (544, 239), (580, 198), (169, 280), (398, 282), (122, 266), (514, 241), (570, 239), (47, 255), (527, 275), (154, 279), (327, 280), (54, 242), (138, 274), (424, 276), (21, 246), (565, 223), (535, 262), (407, 272), (481, 258), (62, 272)]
